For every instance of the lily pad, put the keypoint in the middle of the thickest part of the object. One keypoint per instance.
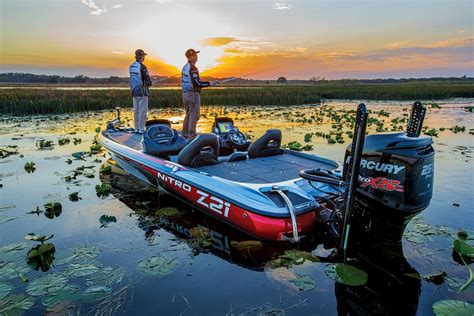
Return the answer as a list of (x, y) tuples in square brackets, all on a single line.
[(14, 247), (6, 219), (346, 274), (83, 269), (157, 265), (292, 257), (100, 289), (303, 283), (34, 237), (453, 308), (74, 197), (13, 270), (247, 245), (30, 167), (69, 293), (86, 252), (103, 190), (167, 211), (5, 289), (46, 284), (106, 220), (16, 304), (107, 276), (463, 248)]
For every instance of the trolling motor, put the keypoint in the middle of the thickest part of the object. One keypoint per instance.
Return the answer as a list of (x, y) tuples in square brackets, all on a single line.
[(115, 123), (387, 179)]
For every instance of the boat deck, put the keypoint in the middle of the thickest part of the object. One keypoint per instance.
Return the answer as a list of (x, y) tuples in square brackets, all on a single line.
[(259, 170), (265, 170)]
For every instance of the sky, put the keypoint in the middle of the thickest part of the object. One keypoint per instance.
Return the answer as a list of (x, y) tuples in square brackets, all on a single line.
[(264, 39)]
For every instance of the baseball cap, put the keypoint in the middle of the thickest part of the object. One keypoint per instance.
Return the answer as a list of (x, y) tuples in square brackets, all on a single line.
[(139, 53), (190, 52)]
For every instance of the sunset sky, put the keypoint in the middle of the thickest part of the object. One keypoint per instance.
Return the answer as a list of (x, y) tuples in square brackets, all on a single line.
[(252, 39)]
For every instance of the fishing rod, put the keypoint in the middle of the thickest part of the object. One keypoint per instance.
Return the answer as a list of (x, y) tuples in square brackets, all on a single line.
[(165, 78)]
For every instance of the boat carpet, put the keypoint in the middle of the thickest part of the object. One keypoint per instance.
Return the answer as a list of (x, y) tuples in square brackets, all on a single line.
[(264, 170)]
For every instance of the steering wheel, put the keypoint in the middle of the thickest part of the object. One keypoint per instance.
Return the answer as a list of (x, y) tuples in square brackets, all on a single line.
[(236, 137)]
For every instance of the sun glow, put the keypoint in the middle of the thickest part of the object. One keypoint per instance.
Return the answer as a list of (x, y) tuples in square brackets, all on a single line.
[(169, 39)]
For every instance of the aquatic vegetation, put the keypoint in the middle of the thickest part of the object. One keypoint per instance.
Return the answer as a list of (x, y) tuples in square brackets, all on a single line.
[(458, 129), (76, 270), (303, 283), (463, 249), (5, 289), (74, 197), (105, 170), (77, 141), (43, 144), (167, 211), (12, 270), (247, 245), (157, 265), (452, 307), (53, 209), (108, 276), (106, 220), (292, 257), (70, 293), (16, 304), (46, 284), (432, 132), (346, 274), (30, 167), (307, 137), (5, 152), (79, 155), (103, 190), (63, 141), (95, 149), (40, 238), (41, 256)]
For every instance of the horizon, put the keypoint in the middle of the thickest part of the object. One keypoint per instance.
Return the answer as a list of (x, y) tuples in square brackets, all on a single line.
[(251, 40)]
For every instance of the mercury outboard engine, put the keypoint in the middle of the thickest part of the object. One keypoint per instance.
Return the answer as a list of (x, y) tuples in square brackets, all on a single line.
[(395, 182)]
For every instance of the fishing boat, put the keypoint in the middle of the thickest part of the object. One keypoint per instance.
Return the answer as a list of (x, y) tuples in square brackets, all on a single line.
[(278, 194)]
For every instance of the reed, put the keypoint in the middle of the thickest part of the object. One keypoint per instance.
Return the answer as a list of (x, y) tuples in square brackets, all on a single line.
[(48, 100)]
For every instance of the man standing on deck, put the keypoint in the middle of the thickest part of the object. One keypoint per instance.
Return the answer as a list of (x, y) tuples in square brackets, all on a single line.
[(192, 85), (140, 82)]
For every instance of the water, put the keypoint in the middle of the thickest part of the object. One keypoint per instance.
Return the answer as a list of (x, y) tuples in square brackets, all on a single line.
[(214, 269)]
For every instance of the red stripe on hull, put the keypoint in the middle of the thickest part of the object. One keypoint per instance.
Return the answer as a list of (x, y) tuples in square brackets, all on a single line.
[(259, 226)]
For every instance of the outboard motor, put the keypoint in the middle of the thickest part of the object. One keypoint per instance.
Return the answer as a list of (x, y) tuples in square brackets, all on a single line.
[(395, 181)]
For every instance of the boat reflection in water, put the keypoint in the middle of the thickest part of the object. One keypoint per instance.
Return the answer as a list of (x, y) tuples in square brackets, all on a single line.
[(393, 286)]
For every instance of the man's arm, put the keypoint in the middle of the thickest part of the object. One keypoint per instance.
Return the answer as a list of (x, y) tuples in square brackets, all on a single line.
[(197, 82), (145, 75)]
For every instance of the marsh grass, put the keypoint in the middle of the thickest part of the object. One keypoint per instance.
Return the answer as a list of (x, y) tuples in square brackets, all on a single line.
[(47, 100)]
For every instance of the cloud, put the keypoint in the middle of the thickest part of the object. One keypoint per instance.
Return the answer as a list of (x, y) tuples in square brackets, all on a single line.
[(117, 6), (163, 1), (117, 53), (219, 41), (94, 9), (282, 6)]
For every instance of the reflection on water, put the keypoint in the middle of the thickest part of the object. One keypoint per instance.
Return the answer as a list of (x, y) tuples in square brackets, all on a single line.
[(391, 278), (160, 256)]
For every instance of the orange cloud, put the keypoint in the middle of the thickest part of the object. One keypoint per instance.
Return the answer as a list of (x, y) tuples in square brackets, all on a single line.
[(219, 41)]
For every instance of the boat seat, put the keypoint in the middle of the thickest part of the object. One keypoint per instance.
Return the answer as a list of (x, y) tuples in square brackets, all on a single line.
[(160, 140), (202, 151), (237, 156), (267, 145)]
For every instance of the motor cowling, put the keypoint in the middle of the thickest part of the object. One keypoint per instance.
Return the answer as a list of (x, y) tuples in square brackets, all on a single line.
[(396, 171)]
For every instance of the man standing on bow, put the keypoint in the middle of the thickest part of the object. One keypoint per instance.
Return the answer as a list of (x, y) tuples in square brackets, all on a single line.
[(140, 83), (192, 85)]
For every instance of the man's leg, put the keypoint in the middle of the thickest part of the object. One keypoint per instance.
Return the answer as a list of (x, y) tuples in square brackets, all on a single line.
[(143, 111), (135, 112), (186, 102), (194, 114)]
